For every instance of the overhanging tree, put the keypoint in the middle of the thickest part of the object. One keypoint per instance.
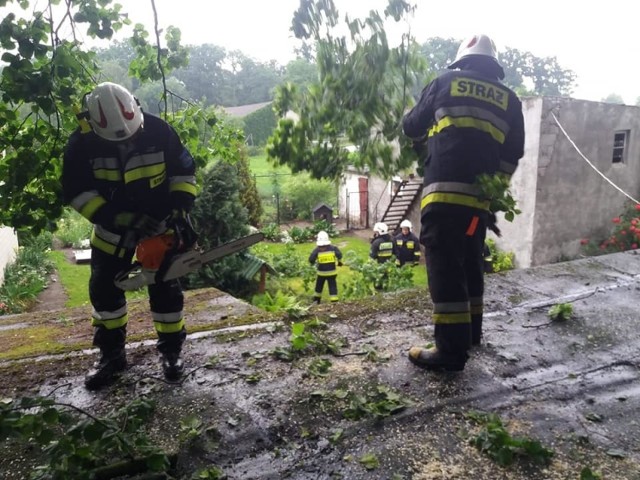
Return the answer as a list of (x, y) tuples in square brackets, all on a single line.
[(362, 93), (43, 80)]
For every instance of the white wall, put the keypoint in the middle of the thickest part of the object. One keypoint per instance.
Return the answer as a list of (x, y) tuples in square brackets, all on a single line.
[(8, 249)]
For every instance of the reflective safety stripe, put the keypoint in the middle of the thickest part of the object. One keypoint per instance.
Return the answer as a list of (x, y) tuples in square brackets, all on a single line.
[(333, 298), (183, 183), (105, 245), (144, 172), (327, 257), (385, 254), (317, 295), (327, 273), (451, 307), (451, 187), (506, 167), (468, 122), (451, 318), (410, 245), (110, 319), (170, 317), (417, 253), (105, 163), (455, 199), (163, 327), (474, 112), (399, 242), (88, 203), (109, 175), (145, 160)]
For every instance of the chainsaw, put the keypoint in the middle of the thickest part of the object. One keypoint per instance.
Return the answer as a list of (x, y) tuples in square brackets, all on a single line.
[(157, 260)]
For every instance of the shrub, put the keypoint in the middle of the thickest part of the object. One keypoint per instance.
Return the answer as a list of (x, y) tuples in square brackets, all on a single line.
[(501, 260), (73, 228), (388, 276), (272, 232), (302, 193), (300, 235), (324, 225), (27, 276), (625, 234)]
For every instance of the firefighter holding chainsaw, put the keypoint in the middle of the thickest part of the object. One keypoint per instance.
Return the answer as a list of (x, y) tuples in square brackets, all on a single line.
[(128, 173), (471, 124)]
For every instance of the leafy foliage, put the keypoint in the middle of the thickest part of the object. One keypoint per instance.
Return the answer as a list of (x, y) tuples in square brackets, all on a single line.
[(500, 260), (43, 78), (259, 125), (495, 188), (72, 229), (625, 234), (26, 277), (494, 440), (280, 302), (561, 312), (249, 195), (303, 193), (387, 276), (77, 444), (359, 99)]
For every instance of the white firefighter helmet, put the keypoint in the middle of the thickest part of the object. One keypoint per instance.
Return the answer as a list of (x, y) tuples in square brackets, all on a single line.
[(381, 228), (406, 224), (114, 113), (323, 239), (480, 45)]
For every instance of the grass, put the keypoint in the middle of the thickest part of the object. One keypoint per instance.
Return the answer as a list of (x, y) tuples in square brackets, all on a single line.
[(264, 172), (75, 281), (358, 245)]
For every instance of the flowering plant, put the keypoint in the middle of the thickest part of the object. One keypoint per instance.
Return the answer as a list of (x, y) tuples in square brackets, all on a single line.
[(625, 234)]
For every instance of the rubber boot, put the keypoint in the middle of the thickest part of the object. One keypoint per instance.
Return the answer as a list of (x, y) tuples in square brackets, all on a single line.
[(170, 348), (450, 354), (434, 360), (112, 359)]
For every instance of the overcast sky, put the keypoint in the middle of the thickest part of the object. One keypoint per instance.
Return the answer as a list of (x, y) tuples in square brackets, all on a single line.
[(597, 40)]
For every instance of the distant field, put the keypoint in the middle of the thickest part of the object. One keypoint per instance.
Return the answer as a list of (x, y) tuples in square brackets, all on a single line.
[(264, 172)]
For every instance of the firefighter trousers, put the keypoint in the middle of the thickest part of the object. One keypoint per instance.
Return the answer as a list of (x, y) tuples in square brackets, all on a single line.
[(109, 303), (454, 245), (333, 287)]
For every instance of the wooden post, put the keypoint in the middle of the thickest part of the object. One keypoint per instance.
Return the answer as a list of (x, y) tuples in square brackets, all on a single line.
[(263, 278)]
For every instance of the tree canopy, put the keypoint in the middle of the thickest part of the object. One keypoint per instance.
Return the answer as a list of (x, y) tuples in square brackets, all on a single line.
[(363, 88)]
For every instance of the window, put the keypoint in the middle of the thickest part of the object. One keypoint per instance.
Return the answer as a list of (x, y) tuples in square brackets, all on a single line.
[(620, 140)]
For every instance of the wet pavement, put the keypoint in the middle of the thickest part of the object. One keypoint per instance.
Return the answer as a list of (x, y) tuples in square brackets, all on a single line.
[(572, 385)]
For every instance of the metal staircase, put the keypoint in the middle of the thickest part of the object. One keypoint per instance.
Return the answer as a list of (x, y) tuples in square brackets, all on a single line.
[(401, 203)]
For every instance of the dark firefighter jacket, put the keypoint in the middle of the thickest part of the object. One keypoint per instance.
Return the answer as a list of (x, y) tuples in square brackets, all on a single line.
[(152, 174), (472, 125), (326, 258), (407, 248), (382, 248)]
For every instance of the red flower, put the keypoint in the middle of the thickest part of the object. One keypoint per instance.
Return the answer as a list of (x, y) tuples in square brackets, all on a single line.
[(634, 221), (603, 246), (616, 220), (637, 206), (623, 232), (634, 245), (584, 241)]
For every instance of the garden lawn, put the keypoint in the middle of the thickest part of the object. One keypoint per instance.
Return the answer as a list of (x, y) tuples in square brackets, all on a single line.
[(359, 246), (75, 280), (264, 172)]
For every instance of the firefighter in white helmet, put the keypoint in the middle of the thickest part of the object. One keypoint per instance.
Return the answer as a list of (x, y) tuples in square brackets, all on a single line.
[(382, 248), (407, 245), (326, 257), (471, 125), (126, 172)]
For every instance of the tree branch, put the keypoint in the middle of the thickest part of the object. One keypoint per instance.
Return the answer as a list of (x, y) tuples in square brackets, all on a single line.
[(164, 80)]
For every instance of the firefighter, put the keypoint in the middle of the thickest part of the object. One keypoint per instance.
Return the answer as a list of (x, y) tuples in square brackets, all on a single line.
[(127, 173), (382, 248), (407, 245), (326, 257), (471, 124)]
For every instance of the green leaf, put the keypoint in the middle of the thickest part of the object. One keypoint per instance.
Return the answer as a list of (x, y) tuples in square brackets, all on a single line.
[(370, 461), (158, 462), (50, 416)]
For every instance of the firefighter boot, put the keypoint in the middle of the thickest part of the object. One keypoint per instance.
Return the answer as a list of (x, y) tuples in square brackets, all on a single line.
[(433, 359), (450, 354), (112, 359), (170, 347)]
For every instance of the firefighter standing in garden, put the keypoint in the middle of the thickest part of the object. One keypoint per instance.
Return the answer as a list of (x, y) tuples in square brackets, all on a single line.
[(472, 125), (327, 257), (407, 245), (382, 249), (128, 173)]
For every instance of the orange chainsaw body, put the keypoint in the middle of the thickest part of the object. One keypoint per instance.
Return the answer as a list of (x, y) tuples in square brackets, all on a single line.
[(151, 251)]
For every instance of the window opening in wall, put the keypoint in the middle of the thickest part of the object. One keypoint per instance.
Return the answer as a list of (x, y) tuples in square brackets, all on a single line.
[(620, 140)]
